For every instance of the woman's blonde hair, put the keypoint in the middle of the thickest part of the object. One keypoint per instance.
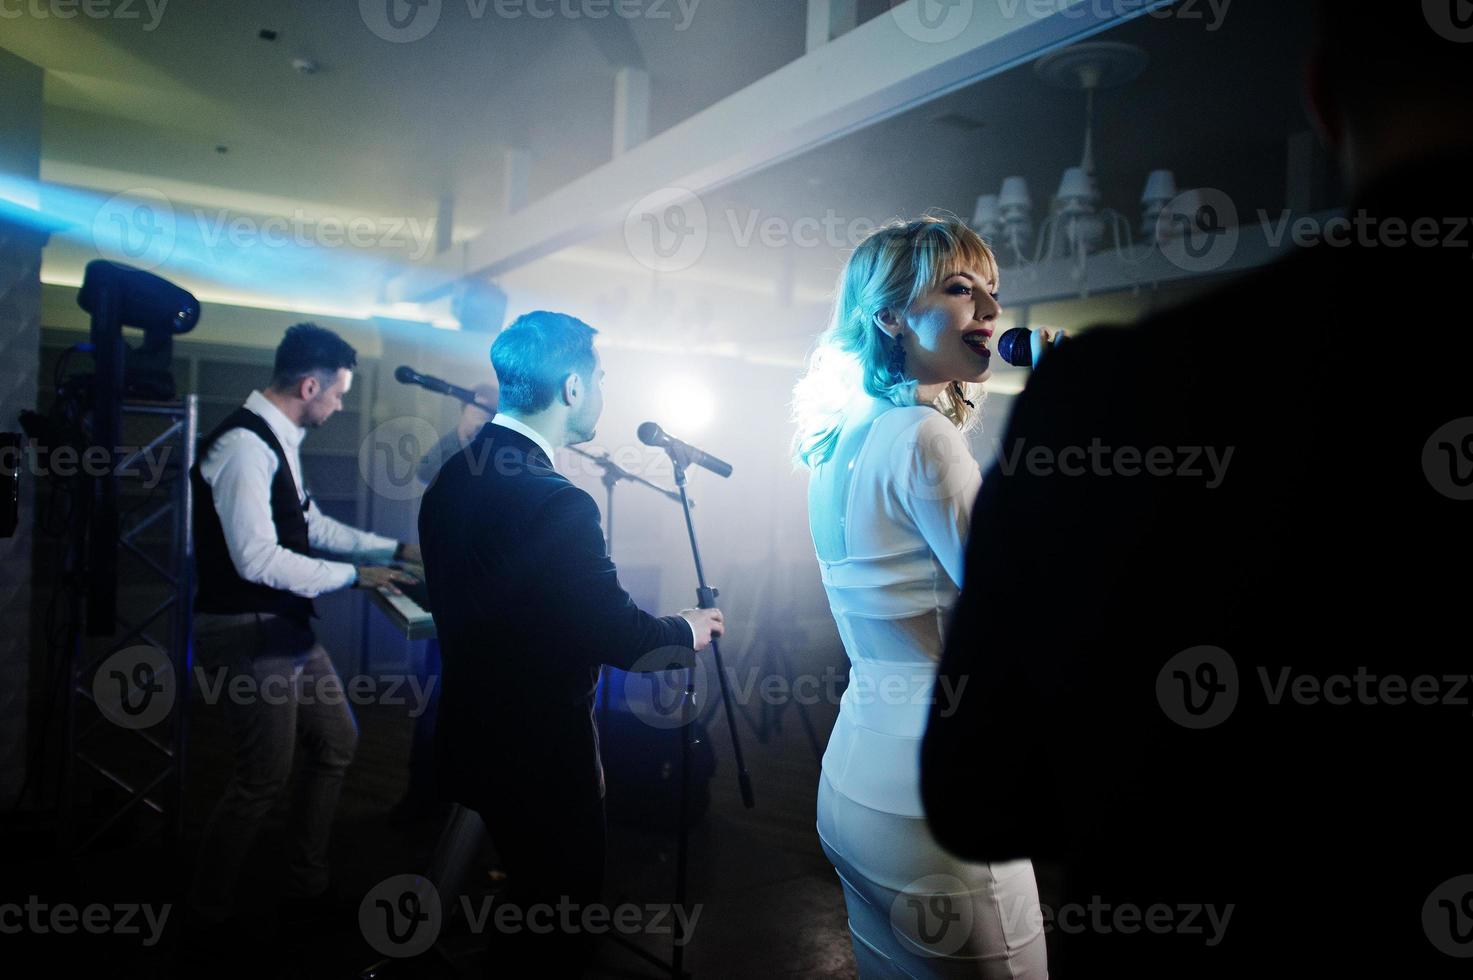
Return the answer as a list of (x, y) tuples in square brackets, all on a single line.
[(890, 269)]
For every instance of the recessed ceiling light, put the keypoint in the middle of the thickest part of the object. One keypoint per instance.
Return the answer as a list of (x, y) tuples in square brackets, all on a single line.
[(266, 34)]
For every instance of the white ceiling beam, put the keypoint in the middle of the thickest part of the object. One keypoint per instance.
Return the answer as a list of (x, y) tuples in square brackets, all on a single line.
[(887, 65), (516, 166), (444, 223), (631, 109), (828, 19)]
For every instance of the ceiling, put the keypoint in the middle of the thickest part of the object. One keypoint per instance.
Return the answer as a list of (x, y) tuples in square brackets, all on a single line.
[(388, 129), (380, 126)]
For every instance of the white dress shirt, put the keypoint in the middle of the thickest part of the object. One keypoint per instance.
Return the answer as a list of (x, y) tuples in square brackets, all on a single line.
[(517, 425), (239, 469)]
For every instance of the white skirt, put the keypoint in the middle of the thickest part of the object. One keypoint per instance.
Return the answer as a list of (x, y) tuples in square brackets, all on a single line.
[(914, 909)]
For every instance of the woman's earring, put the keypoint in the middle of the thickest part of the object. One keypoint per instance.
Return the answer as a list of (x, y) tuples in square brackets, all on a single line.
[(897, 359)]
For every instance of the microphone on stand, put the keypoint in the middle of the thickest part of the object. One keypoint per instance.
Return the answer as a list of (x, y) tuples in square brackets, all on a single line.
[(683, 455), (406, 375), (652, 435)]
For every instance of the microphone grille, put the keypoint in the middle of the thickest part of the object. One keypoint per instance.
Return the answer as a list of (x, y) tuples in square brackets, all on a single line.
[(1015, 348), (650, 434), (404, 374)]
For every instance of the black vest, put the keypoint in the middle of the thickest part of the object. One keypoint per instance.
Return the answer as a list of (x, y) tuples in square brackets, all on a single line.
[(221, 589)]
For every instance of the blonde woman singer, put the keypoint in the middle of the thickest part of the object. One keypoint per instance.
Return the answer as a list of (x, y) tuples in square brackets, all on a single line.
[(881, 415)]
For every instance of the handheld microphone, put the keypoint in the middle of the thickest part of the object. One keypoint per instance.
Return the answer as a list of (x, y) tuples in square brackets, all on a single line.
[(652, 435), (1015, 345), (406, 375)]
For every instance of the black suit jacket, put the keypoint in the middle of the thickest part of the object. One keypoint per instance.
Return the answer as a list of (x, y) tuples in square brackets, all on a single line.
[(527, 605), (1327, 550)]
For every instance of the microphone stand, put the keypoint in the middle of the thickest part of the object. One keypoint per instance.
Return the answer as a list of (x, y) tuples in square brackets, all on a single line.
[(613, 473), (705, 599)]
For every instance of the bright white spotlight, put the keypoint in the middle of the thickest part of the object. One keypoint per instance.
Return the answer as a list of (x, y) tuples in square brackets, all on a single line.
[(685, 406)]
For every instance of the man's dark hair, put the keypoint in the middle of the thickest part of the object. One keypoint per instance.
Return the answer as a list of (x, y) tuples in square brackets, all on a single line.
[(535, 354), (310, 349), (1381, 56)]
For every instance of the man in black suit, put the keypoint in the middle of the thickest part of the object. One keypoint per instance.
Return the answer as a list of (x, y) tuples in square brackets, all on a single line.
[(1240, 732), (527, 605)]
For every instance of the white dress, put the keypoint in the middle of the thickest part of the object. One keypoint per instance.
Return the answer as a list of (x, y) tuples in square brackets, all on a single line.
[(889, 513)]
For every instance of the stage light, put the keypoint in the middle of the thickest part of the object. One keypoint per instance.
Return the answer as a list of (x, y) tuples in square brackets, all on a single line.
[(686, 404)]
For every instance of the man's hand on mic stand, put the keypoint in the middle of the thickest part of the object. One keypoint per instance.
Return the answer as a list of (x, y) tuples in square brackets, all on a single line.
[(382, 577), (707, 624)]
